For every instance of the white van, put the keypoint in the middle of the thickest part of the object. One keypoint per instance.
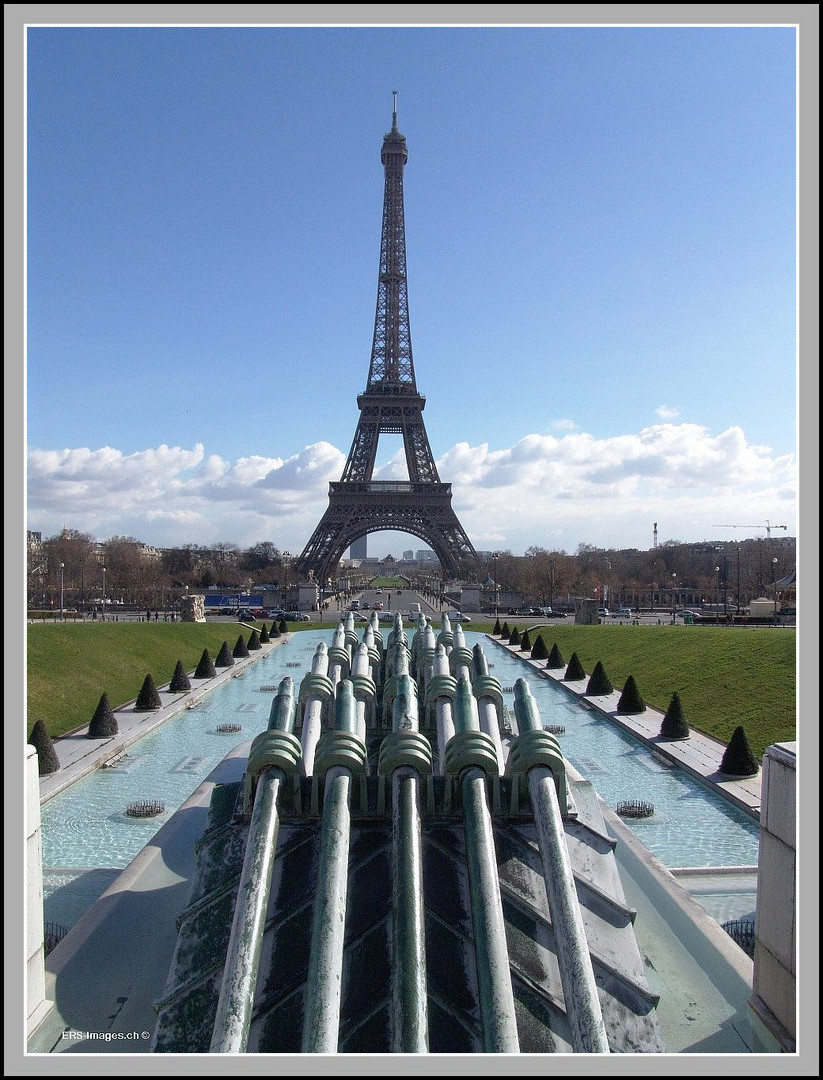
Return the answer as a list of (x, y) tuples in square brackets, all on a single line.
[(414, 611)]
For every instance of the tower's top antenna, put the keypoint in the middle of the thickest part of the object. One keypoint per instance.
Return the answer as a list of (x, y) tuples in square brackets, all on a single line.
[(394, 111)]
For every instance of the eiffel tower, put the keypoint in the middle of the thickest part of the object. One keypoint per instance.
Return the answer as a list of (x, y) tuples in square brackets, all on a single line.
[(390, 404)]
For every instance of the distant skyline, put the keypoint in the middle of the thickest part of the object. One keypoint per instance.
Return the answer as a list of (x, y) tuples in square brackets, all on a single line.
[(601, 252)]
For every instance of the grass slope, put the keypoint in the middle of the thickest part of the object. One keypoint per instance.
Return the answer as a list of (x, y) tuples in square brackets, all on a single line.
[(70, 666), (724, 676)]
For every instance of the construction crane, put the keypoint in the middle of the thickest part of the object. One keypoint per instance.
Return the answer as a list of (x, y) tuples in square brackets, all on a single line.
[(768, 527)]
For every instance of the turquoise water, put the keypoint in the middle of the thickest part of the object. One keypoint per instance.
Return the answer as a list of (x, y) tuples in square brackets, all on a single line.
[(691, 824), (86, 827)]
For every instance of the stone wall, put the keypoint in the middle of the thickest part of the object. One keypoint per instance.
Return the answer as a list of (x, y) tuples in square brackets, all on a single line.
[(774, 982), (37, 1006)]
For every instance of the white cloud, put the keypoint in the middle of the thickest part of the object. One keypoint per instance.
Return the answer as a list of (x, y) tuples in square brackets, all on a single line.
[(667, 412), (548, 490)]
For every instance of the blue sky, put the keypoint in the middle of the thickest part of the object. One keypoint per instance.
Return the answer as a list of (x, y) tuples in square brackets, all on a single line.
[(600, 227)]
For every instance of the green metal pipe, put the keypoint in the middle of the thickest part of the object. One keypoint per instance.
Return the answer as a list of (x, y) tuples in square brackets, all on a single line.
[(576, 972), (230, 1032), (442, 680), (321, 1013), (316, 691), (409, 991), (493, 972)]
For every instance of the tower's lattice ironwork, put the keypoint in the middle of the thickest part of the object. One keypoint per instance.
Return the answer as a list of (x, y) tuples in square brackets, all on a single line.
[(390, 404)]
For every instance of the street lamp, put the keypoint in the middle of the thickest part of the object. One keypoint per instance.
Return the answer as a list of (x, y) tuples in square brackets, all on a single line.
[(61, 591), (286, 557), (495, 557), (674, 582), (104, 592), (717, 608), (774, 587)]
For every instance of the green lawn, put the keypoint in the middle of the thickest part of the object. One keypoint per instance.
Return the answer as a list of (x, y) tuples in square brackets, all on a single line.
[(70, 666), (725, 677)]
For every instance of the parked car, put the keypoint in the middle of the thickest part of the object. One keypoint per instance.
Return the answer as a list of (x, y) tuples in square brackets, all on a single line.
[(622, 613), (378, 606), (244, 615), (458, 616), (550, 613), (603, 612), (297, 616)]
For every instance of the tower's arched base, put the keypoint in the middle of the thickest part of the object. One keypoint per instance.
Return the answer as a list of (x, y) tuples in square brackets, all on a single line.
[(422, 509)]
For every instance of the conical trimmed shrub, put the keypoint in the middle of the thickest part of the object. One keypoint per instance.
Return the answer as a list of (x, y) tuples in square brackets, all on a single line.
[(514, 637), (104, 723), (264, 635), (555, 660), (47, 760), (631, 700), (283, 627), (575, 671), (205, 669), (739, 760), (497, 631), (224, 658), (674, 724), (148, 698), (254, 640), (505, 632), (539, 650), (240, 650), (179, 680), (525, 642), (275, 631), (599, 681)]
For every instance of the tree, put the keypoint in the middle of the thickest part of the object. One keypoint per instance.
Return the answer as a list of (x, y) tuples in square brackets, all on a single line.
[(47, 760), (148, 698), (739, 759), (599, 682), (547, 574), (180, 680), (631, 700), (575, 671), (674, 724), (260, 556), (77, 552), (555, 660), (539, 650), (205, 667), (104, 723), (224, 658)]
